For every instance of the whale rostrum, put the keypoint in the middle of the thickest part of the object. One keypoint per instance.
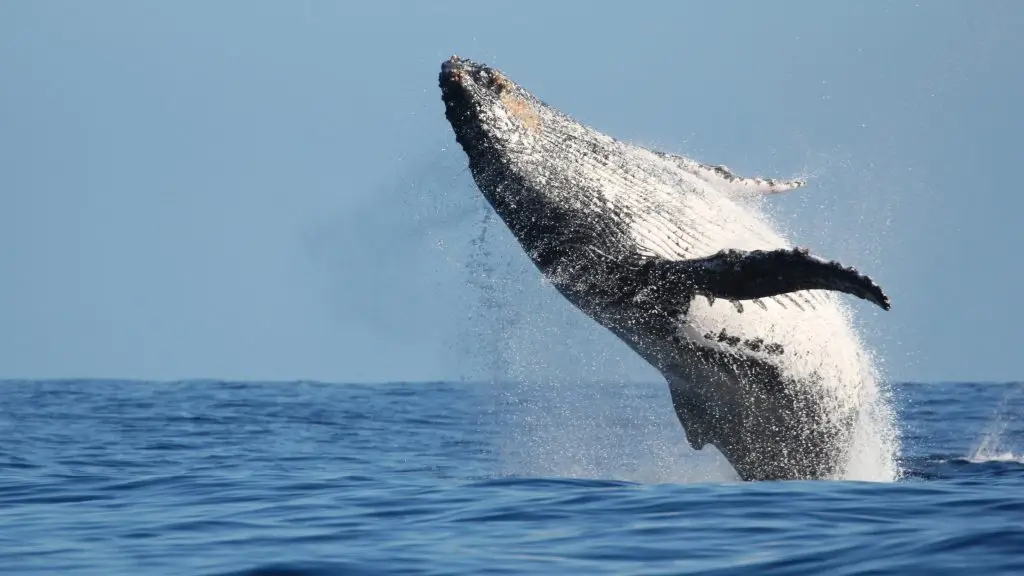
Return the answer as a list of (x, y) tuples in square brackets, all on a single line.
[(634, 238)]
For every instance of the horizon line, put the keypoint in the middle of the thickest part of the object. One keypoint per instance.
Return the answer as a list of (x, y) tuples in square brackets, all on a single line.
[(423, 382)]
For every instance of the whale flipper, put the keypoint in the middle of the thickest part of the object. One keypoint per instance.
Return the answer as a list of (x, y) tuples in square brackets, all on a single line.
[(748, 275), (723, 178)]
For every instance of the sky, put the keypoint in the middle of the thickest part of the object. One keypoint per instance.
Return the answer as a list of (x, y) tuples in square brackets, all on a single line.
[(270, 191)]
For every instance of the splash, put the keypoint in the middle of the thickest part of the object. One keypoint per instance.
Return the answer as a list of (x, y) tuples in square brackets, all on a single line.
[(874, 453), (995, 456), (599, 430), (876, 445), (991, 447), (565, 393)]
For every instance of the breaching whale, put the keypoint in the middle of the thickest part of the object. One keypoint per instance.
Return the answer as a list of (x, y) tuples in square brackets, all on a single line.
[(668, 254)]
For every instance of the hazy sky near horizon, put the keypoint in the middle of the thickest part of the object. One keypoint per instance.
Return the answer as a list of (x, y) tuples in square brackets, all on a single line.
[(269, 190)]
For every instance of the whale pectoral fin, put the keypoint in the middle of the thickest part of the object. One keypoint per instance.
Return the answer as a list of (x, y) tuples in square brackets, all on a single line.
[(724, 179), (755, 185), (742, 275), (691, 416)]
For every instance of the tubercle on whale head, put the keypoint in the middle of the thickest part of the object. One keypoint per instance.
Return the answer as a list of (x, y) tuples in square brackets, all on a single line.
[(468, 83)]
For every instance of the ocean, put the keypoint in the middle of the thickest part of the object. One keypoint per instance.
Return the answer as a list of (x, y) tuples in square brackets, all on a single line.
[(302, 478)]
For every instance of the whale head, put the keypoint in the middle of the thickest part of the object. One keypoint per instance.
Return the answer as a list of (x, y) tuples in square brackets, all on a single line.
[(516, 150)]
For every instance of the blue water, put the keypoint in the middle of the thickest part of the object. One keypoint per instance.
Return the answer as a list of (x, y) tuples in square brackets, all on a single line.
[(462, 478)]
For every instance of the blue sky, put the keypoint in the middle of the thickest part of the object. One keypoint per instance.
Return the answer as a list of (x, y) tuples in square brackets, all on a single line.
[(270, 191)]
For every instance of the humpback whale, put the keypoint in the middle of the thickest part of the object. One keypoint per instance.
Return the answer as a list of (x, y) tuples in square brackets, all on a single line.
[(669, 254)]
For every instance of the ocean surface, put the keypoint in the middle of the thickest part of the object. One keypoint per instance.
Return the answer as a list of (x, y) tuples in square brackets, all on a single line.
[(214, 478)]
